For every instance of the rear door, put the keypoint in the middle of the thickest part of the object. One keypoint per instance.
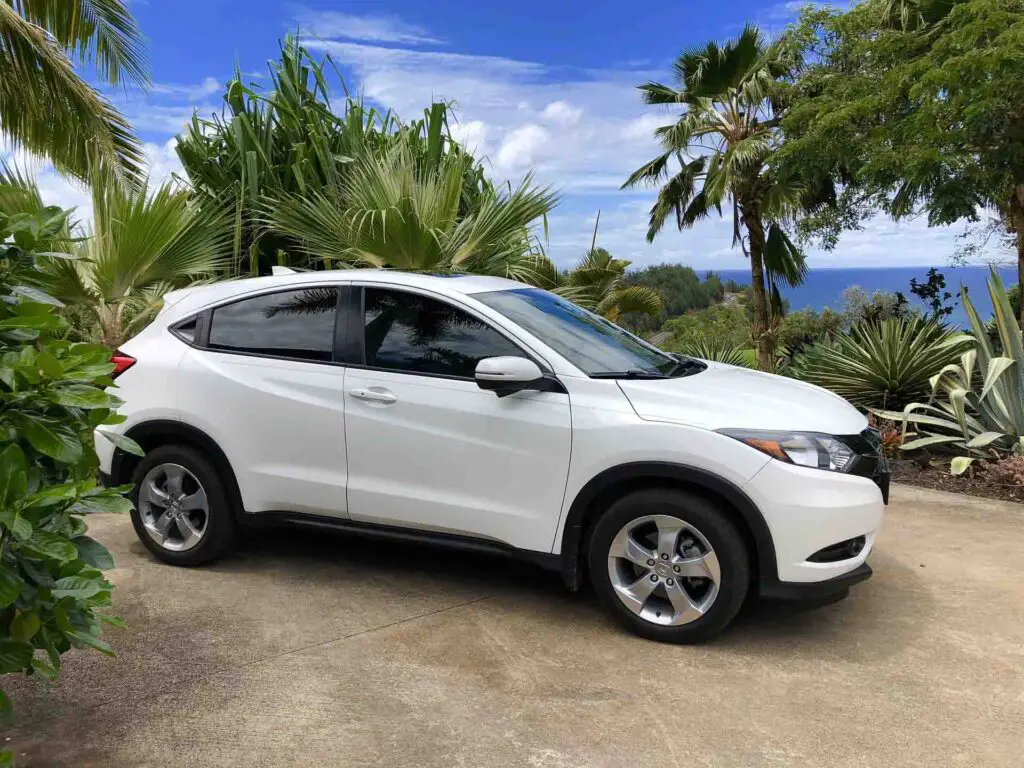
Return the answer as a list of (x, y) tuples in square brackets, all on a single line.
[(427, 448), (264, 383)]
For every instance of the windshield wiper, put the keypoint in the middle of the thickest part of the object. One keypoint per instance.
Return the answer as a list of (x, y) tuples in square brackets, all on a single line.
[(632, 373), (685, 366)]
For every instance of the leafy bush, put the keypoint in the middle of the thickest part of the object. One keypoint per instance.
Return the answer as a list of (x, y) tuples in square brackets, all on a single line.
[(681, 291), (981, 416), (728, 324), (719, 351), (805, 327), (857, 307), (52, 592), (881, 365)]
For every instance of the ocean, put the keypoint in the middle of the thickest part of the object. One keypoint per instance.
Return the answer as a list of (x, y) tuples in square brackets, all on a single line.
[(824, 287)]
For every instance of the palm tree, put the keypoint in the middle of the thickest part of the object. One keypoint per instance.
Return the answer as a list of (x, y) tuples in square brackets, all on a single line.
[(598, 282), (724, 143), (141, 244), (404, 208), (45, 107)]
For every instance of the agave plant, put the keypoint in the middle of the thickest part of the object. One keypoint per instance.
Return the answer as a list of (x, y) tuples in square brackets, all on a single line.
[(881, 365), (718, 350), (981, 423)]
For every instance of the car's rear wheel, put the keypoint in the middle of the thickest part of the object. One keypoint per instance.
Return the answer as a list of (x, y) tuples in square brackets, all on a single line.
[(182, 511), (670, 565)]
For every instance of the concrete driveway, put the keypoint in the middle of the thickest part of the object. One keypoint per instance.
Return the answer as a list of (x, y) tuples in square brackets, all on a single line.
[(314, 649)]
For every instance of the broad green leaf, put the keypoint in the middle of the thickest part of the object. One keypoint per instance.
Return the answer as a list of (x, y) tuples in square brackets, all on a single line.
[(49, 365), (113, 621), (93, 553), (107, 502), (78, 587), (13, 475), (14, 656), (960, 464), (37, 574), (82, 396), (123, 442), (46, 670), (52, 438), (51, 546), (10, 585), (29, 322), (91, 640), (54, 494), (24, 626), (36, 295), (16, 523)]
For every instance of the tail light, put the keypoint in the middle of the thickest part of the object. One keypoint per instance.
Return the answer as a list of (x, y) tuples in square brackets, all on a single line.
[(122, 363)]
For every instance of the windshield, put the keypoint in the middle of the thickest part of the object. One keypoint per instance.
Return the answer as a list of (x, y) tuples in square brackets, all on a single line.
[(588, 341)]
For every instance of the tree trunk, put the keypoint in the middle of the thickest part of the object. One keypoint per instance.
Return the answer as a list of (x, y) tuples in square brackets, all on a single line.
[(759, 331), (1020, 272)]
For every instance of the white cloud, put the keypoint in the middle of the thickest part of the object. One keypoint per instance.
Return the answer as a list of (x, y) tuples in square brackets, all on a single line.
[(522, 147), (208, 87), (377, 29), (562, 113)]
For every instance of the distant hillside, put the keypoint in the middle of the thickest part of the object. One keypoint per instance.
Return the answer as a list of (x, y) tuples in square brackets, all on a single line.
[(682, 290)]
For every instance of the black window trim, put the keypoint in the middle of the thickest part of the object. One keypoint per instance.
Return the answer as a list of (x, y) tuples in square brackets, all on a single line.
[(355, 352), (205, 317)]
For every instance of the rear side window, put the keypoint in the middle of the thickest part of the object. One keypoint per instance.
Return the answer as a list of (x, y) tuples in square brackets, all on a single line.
[(295, 324), (413, 333)]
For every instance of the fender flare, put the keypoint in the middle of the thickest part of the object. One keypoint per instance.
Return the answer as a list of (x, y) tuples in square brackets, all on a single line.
[(647, 472)]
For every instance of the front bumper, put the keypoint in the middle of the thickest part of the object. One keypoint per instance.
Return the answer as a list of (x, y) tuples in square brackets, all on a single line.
[(807, 510), (837, 586)]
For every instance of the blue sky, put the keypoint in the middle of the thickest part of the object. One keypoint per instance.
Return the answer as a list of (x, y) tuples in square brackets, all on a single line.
[(548, 86)]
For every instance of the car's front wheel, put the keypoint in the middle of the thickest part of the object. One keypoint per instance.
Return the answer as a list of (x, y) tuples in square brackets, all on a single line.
[(670, 565), (182, 510)]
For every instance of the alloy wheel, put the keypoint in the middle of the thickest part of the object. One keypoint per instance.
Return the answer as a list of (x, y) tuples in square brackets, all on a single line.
[(664, 570), (173, 506)]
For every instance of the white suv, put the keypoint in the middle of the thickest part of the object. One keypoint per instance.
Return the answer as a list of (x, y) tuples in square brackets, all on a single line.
[(483, 413)]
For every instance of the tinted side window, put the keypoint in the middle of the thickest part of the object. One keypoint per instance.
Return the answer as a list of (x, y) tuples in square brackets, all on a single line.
[(296, 324), (408, 332)]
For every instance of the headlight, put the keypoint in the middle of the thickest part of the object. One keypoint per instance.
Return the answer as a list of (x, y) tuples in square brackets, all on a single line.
[(808, 449)]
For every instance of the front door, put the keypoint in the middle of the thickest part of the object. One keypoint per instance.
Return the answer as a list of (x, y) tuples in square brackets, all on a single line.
[(427, 448)]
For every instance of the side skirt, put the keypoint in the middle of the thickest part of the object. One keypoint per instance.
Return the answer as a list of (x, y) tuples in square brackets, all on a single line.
[(544, 560)]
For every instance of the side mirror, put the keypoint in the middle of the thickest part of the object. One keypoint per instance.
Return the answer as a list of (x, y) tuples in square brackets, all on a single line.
[(507, 375)]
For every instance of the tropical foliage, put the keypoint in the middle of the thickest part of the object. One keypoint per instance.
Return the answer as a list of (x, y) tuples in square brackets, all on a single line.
[(53, 595), (913, 105), (719, 350), (142, 243), (733, 97), (885, 364), (598, 282), (680, 289), (727, 324), (976, 405), (45, 107)]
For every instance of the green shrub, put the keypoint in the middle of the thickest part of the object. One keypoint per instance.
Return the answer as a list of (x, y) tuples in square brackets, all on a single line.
[(881, 365), (52, 592), (721, 352), (727, 324), (981, 414)]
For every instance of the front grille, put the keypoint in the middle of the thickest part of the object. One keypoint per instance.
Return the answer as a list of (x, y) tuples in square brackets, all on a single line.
[(844, 550)]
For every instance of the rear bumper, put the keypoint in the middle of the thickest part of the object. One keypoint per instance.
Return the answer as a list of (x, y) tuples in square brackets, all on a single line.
[(814, 590)]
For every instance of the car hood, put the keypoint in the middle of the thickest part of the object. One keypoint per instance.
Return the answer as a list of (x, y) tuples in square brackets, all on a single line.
[(725, 396)]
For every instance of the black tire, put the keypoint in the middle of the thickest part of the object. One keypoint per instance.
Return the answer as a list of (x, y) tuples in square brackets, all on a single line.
[(717, 528), (220, 531)]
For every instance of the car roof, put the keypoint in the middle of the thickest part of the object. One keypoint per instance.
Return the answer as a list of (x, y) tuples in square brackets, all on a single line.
[(182, 302)]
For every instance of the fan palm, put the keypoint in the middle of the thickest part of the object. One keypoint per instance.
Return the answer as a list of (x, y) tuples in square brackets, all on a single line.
[(598, 283), (45, 107), (398, 210), (724, 143), (141, 244)]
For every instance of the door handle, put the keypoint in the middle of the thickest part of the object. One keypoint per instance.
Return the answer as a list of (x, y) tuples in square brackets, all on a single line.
[(373, 396)]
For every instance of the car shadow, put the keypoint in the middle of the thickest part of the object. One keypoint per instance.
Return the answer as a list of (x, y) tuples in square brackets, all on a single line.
[(894, 600)]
